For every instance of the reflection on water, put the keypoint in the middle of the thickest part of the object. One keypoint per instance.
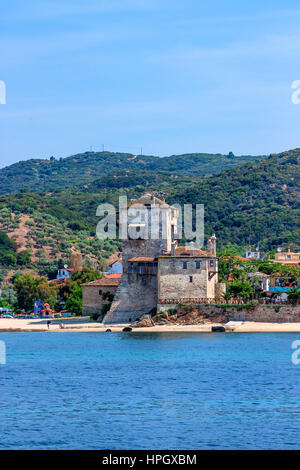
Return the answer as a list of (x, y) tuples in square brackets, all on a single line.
[(149, 391)]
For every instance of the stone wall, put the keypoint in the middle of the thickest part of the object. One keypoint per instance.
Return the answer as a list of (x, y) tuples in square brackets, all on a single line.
[(262, 313), (135, 296), (92, 300), (175, 282)]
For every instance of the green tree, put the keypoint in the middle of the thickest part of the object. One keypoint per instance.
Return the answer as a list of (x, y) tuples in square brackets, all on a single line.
[(9, 259), (46, 292), (4, 304), (30, 288), (294, 294), (23, 258), (226, 295), (74, 301), (87, 275), (240, 288)]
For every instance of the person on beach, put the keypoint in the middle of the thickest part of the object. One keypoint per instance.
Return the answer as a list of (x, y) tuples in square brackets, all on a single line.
[(48, 324), (61, 325)]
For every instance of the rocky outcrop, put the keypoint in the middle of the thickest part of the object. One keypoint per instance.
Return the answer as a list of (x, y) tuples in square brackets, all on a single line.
[(144, 322), (195, 315), (180, 316)]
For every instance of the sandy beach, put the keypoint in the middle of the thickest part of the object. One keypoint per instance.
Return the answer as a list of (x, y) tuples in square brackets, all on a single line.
[(40, 325)]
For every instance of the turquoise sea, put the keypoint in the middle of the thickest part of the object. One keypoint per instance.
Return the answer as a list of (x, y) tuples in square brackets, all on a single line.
[(149, 391)]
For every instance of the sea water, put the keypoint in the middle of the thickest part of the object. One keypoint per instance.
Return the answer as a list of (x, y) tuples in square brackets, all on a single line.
[(149, 391)]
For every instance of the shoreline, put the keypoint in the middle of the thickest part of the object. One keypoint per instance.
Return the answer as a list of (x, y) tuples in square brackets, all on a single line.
[(38, 325)]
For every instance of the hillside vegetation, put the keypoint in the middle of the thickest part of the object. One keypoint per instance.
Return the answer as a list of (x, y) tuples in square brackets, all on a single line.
[(33, 236), (258, 202), (84, 168)]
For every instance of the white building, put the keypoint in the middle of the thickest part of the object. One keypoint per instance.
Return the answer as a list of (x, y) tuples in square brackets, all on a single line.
[(64, 273)]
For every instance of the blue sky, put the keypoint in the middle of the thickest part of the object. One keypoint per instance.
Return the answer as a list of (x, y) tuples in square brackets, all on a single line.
[(169, 76)]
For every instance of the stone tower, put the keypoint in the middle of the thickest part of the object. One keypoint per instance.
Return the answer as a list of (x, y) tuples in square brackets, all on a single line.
[(151, 225)]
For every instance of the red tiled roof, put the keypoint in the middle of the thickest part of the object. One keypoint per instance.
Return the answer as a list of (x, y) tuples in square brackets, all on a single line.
[(142, 259), (234, 257), (104, 282), (113, 276), (148, 199), (183, 251)]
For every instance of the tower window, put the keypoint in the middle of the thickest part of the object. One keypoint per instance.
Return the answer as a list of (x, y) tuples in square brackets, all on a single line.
[(191, 278), (100, 292), (185, 265), (198, 264), (211, 263)]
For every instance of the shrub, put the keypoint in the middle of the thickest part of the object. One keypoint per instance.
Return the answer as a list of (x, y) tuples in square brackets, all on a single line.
[(251, 305), (172, 311), (94, 316), (105, 309), (23, 258)]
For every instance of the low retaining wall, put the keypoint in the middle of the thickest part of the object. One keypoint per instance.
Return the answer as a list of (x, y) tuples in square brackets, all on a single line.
[(261, 313)]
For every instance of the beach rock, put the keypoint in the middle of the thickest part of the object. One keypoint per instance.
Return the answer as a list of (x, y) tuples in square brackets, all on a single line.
[(162, 321), (127, 329), (218, 329), (144, 322)]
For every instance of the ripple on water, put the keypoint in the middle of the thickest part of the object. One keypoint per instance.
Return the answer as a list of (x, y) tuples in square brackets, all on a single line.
[(179, 391)]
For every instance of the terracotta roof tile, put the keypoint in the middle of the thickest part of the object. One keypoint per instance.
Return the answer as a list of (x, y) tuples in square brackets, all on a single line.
[(104, 282), (142, 259), (113, 276), (182, 251)]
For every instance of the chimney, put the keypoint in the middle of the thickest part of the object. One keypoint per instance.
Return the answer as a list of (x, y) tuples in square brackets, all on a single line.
[(209, 246), (173, 246), (192, 249), (213, 245)]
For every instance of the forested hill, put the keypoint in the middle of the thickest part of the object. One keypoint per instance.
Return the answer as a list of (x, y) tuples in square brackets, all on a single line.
[(257, 202), (43, 175)]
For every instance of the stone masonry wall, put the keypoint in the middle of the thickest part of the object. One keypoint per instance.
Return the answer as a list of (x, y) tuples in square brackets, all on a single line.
[(262, 313), (135, 296), (174, 281), (92, 301)]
